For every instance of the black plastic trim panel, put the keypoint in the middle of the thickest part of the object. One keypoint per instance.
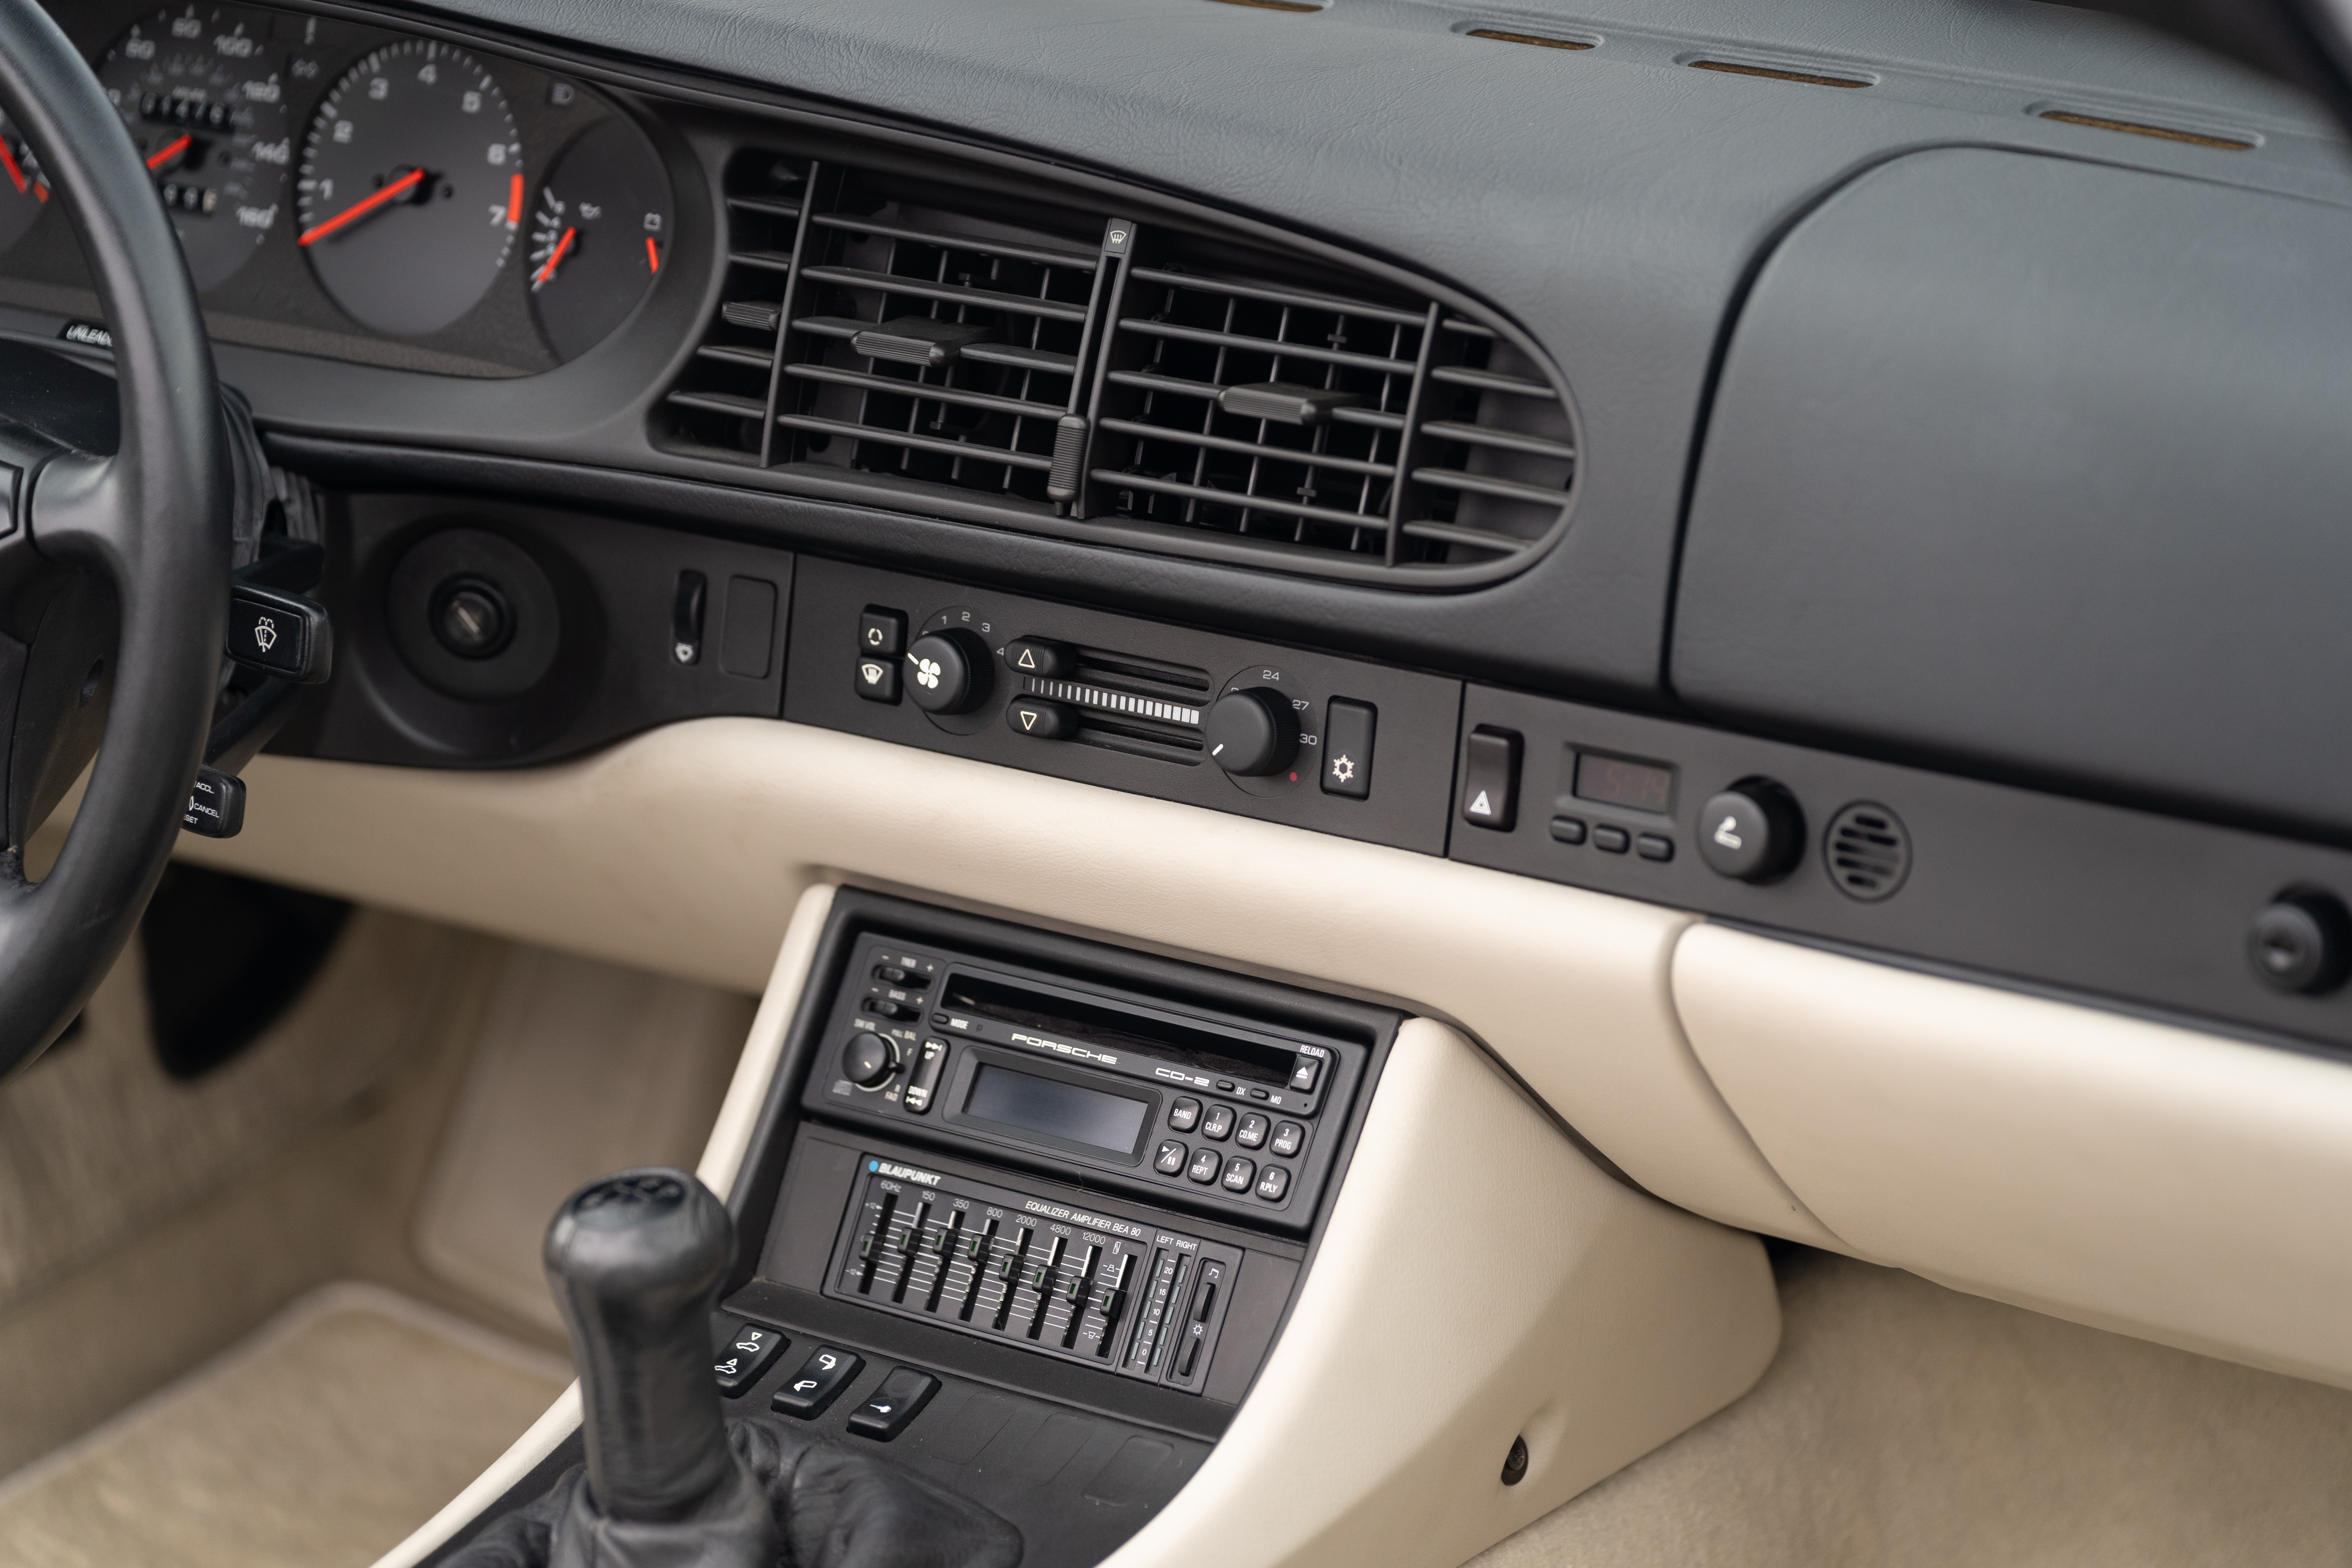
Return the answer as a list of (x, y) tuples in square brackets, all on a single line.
[(2092, 898)]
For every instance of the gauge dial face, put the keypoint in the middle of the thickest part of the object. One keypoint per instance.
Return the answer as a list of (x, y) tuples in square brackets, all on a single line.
[(202, 95), (23, 192), (599, 236), (411, 188)]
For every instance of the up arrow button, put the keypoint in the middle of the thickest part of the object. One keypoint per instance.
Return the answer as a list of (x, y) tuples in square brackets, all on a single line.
[(1041, 657)]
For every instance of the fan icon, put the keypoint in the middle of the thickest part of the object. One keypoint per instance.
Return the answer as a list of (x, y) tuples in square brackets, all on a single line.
[(926, 672)]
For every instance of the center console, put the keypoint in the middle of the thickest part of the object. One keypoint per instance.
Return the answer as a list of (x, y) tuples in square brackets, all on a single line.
[(1032, 1211)]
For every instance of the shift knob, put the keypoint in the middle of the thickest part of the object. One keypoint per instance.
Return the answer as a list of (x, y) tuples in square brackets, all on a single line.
[(636, 1260)]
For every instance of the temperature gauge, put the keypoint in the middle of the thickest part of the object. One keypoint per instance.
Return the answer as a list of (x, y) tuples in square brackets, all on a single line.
[(600, 236)]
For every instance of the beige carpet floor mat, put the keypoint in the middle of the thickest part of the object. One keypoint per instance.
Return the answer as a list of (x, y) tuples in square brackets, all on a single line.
[(320, 1441), (1906, 1426)]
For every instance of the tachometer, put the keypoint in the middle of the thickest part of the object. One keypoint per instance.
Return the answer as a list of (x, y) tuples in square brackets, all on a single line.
[(200, 92), (411, 187)]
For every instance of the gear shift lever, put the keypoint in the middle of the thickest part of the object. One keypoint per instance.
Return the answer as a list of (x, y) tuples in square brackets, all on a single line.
[(636, 1260)]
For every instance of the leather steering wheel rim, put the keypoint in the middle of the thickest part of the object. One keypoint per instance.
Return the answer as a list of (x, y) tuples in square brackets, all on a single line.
[(153, 520)]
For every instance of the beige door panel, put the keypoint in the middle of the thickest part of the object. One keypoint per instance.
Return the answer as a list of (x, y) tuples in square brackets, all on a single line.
[(2154, 1180), (683, 849)]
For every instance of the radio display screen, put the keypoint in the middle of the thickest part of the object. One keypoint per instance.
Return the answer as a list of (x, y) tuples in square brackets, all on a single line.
[(1064, 1111)]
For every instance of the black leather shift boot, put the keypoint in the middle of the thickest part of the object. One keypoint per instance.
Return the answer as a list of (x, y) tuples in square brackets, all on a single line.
[(830, 1506)]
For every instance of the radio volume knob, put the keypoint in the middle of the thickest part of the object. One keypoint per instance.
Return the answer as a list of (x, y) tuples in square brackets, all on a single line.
[(868, 1058), (1251, 731)]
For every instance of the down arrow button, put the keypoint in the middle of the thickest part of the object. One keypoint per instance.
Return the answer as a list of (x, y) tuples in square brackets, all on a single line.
[(1040, 720)]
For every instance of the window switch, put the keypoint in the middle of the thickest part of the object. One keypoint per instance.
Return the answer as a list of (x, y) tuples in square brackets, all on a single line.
[(745, 1355), (818, 1383), (888, 1408), (1490, 779)]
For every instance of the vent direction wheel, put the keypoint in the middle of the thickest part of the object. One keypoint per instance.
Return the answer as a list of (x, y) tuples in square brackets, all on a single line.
[(1868, 851)]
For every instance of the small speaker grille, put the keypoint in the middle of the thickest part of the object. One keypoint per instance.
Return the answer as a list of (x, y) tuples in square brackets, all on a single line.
[(1869, 852)]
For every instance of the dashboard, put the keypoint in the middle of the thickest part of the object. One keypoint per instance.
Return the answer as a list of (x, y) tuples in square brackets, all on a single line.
[(1725, 469)]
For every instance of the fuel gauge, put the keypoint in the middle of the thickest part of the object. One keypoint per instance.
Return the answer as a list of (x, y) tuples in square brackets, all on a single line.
[(600, 236)]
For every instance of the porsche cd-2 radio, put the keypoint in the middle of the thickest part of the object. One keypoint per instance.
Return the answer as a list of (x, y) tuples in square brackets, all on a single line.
[(1206, 1110)]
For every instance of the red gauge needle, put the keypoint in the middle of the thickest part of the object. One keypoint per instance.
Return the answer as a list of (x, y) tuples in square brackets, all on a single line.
[(652, 257), (555, 258), (15, 172), (360, 209), (170, 151)]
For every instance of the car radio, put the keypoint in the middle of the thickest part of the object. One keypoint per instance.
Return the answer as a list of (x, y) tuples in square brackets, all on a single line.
[(1204, 1109)]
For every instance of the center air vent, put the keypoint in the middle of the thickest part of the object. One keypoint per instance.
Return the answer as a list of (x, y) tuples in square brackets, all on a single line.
[(1868, 851), (1000, 354)]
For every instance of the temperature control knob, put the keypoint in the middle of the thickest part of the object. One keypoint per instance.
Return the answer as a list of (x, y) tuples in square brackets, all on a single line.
[(868, 1058), (1751, 832), (1251, 731), (946, 673)]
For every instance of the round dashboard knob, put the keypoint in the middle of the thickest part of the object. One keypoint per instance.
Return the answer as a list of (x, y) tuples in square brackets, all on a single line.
[(946, 673), (868, 1058), (1251, 731), (1752, 832), (2303, 941)]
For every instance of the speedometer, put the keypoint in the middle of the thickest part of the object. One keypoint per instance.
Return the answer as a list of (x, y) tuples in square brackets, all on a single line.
[(201, 95), (411, 187)]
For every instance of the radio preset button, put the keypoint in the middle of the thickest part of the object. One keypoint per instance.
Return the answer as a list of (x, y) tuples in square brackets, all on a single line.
[(1239, 1174), (1251, 1133), (1184, 1115), (1171, 1157), (1289, 1137), (1304, 1072), (1204, 1166), (1272, 1183), (868, 1058), (1219, 1123)]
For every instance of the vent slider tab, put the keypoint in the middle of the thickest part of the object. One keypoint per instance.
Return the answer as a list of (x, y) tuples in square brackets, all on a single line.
[(1285, 402), (919, 339)]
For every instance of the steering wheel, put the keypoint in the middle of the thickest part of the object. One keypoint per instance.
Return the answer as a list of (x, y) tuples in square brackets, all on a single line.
[(113, 565)]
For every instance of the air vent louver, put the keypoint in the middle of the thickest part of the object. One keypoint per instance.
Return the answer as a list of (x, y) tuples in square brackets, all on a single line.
[(1868, 851), (1018, 358)]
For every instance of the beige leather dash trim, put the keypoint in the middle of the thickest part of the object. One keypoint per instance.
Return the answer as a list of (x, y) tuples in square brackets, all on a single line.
[(684, 849), (2157, 1180), (1479, 1280)]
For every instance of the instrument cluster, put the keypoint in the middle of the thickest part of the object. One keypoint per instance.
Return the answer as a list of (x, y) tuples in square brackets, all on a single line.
[(342, 189)]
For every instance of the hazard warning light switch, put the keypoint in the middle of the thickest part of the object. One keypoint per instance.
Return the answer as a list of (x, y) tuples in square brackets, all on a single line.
[(1490, 779)]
